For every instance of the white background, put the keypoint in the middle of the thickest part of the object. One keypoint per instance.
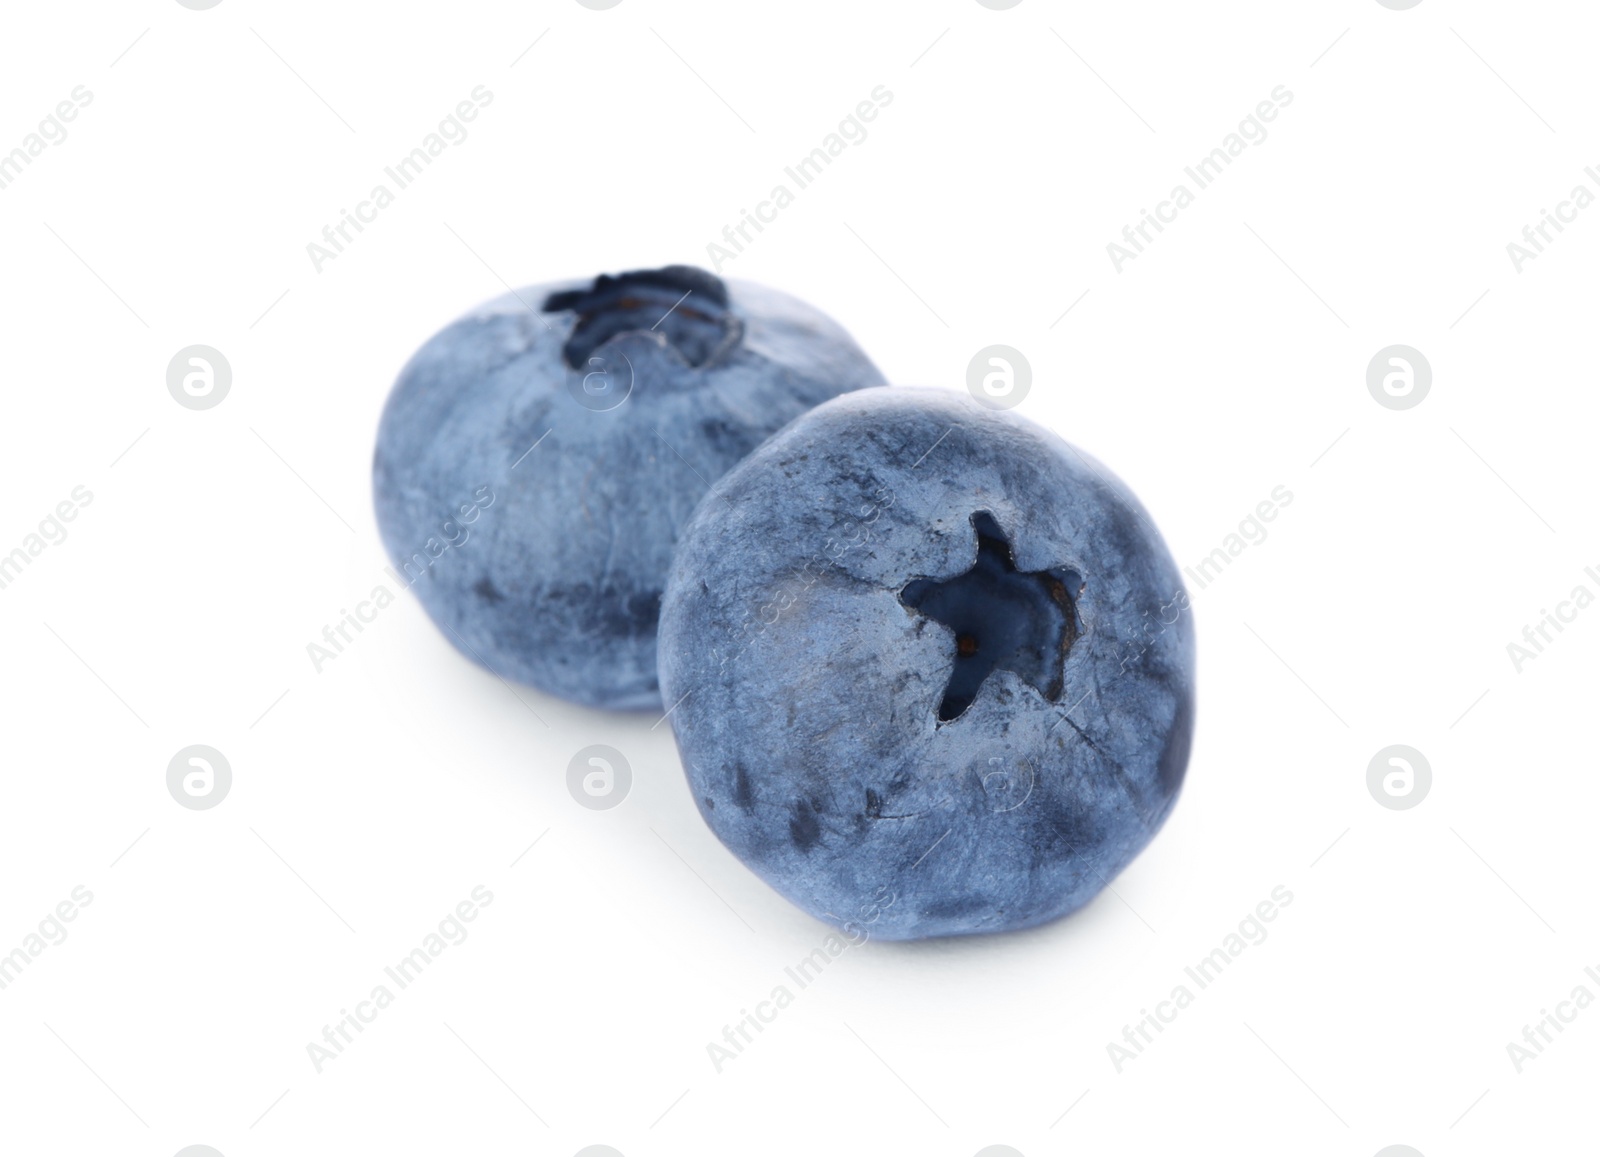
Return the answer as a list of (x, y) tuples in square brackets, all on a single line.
[(369, 799)]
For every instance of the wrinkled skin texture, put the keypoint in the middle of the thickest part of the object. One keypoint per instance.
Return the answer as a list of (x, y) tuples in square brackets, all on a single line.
[(556, 581), (809, 726)]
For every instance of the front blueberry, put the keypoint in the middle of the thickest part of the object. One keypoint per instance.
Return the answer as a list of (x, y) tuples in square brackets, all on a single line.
[(538, 457), (936, 667)]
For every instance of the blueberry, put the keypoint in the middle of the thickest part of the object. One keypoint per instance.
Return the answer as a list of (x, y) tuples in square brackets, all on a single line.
[(538, 457), (936, 667)]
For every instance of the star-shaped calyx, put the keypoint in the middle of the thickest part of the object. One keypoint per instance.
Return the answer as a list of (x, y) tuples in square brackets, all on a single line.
[(687, 306), (1002, 618)]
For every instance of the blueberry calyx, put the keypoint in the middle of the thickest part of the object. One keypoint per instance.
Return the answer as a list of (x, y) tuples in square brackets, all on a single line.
[(687, 307), (1002, 618)]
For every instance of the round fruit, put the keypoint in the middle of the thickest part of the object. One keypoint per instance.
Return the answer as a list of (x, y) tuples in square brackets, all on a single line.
[(538, 457), (936, 667)]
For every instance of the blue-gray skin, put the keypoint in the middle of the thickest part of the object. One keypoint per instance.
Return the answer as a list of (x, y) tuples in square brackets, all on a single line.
[(936, 667), (538, 457)]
